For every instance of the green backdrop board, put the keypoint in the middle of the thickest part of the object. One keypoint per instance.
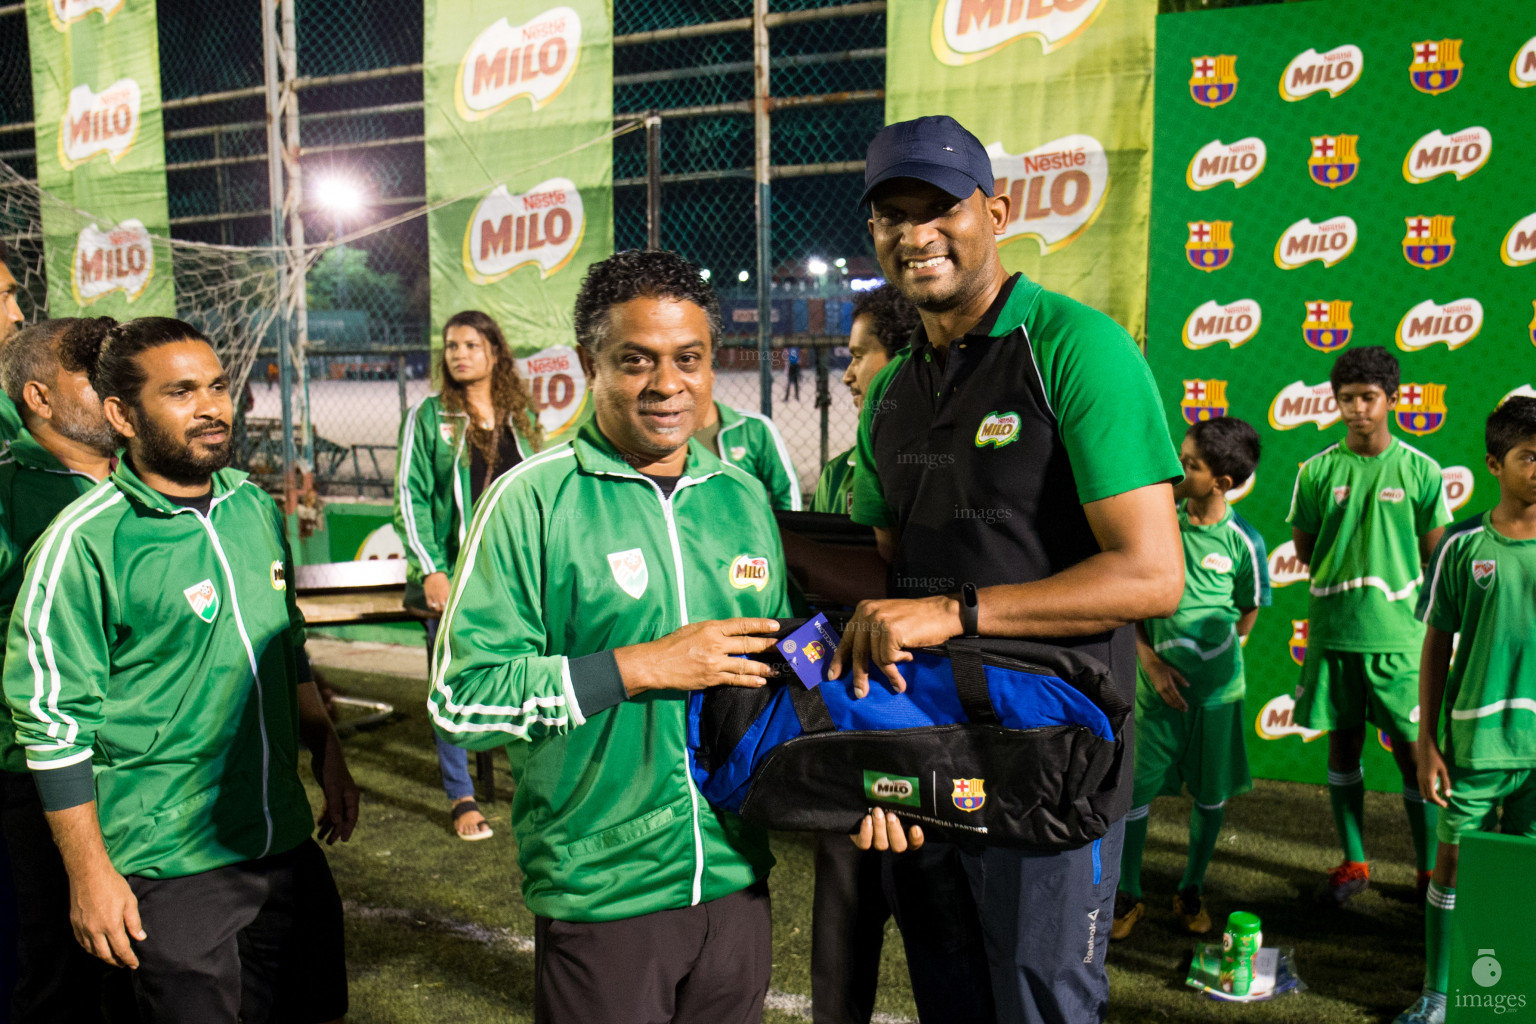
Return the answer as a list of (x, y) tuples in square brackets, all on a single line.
[(101, 154), (1060, 93), (512, 90), (1331, 175)]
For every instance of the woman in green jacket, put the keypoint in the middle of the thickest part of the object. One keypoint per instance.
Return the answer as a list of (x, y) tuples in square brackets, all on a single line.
[(453, 445)]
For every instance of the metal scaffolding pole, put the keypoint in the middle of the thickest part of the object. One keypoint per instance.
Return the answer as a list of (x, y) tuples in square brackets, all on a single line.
[(653, 180), (294, 204), (760, 173), (269, 49)]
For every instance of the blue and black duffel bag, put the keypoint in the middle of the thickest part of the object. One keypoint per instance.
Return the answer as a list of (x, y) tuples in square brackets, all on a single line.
[(1003, 741)]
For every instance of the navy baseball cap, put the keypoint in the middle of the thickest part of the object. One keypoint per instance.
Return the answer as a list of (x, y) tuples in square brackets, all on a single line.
[(937, 150)]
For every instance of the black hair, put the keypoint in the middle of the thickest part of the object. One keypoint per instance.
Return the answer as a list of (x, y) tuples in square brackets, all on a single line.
[(1371, 364), (1229, 446), (634, 274), (892, 316), (108, 351), (1508, 425), (33, 354)]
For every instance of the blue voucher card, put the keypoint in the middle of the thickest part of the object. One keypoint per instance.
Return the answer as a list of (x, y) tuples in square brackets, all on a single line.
[(808, 649)]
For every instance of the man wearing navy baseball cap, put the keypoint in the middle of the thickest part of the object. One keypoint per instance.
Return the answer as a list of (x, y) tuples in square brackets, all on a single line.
[(1016, 466)]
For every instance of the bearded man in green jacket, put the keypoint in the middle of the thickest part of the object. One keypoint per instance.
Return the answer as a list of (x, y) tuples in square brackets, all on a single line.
[(156, 675), (601, 580)]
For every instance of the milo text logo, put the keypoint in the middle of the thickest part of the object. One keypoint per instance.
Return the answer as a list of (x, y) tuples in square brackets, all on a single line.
[(1458, 482), (1304, 241), (1055, 191), (1238, 162), (998, 428), (1461, 154), (1275, 721), (1334, 72), (558, 386), (118, 259), (1213, 323), (892, 789), (504, 63), (64, 13), (1429, 323), (1216, 562), (965, 31), (1522, 69), (1285, 567), (1519, 246), (1300, 402), (95, 123), (541, 227), (748, 571)]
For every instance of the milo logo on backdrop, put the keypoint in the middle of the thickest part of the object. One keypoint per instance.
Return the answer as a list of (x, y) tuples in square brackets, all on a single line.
[(1275, 721), (1213, 323), (1300, 402), (96, 123), (965, 31), (558, 386), (1430, 323), (1462, 153), (64, 13), (1055, 191), (1522, 69), (1285, 566), (541, 227), (1334, 72), (1215, 162), (117, 259), (1304, 241), (1519, 246), (1458, 482), (505, 62)]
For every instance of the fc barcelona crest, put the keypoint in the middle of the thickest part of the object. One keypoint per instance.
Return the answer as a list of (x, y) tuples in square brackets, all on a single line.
[(1210, 244), (1203, 400), (969, 794), (1429, 242), (1421, 408), (1334, 160), (1436, 65), (1298, 640), (1214, 79), (1327, 327)]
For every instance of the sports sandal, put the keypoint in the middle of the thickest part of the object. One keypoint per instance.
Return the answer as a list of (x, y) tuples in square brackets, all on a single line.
[(466, 807)]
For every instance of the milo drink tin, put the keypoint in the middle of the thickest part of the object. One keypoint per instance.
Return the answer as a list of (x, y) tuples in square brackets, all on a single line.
[(1239, 943)]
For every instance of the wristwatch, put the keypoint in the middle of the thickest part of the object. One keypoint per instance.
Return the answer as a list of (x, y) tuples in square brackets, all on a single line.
[(970, 611)]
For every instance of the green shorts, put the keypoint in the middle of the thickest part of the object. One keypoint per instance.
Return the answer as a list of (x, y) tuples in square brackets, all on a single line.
[(1201, 748), (1477, 793), (1347, 689)]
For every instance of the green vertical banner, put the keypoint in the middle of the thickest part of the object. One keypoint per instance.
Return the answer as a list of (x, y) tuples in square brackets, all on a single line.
[(1329, 176), (101, 154), (519, 103), (1060, 93)]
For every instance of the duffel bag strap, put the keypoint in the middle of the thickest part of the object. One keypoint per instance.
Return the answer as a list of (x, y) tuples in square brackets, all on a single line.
[(971, 683), (809, 708)]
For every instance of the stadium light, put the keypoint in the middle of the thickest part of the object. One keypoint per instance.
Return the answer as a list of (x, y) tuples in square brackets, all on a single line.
[(840, 263), (816, 265), (743, 277), (338, 195)]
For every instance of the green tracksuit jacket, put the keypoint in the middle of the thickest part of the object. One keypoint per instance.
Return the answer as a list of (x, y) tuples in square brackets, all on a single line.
[(751, 442), (432, 486), (10, 419), (571, 555), (34, 486), (159, 651)]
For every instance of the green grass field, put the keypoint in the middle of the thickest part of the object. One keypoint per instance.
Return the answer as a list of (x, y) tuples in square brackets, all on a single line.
[(437, 931)]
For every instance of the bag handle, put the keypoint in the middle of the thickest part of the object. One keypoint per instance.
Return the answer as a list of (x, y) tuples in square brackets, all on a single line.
[(971, 684), (809, 708)]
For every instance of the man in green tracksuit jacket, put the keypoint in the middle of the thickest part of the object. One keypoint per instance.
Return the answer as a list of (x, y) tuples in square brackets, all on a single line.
[(10, 322), (583, 605), (156, 677), (750, 441)]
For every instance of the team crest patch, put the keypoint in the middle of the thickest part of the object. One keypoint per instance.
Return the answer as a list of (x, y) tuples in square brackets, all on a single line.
[(999, 429), (1482, 571), (1391, 495), (1341, 494), (738, 452), (749, 571), (279, 575), (1429, 242), (630, 571), (969, 794), (445, 430), (204, 600), (1327, 326), (1436, 65), (1213, 80), (1299, 641), (1334, 159), (1210, 244), (1203, 400), (1217, 562), (1421, 408)]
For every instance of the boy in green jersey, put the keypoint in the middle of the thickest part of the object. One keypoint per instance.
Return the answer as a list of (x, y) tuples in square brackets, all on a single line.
[(1482, 585), (1189, 678), (1365, 514)]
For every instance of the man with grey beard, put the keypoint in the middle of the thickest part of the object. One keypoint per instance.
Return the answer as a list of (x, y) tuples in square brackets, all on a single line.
[(63, 450)]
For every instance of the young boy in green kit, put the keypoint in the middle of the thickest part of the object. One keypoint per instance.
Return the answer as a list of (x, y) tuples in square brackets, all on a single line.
[(1482, 584), (1189, 678), (1365, 514)]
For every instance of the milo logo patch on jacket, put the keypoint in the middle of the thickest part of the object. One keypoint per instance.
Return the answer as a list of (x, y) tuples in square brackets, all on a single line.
[(998, 428), (749, 571)]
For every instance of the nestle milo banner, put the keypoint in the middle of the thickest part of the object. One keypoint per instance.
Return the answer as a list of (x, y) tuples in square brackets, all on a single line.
[(1060, 93), (512, 89), (101, 154), (1329, 176)]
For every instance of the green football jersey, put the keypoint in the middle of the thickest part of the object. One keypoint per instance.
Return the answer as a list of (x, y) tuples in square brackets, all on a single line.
[(834, 490), (1226, 572), (1367, 515), (1483, 586)]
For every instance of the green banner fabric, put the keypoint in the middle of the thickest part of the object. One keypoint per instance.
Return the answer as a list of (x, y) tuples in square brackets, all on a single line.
[(1327, 176), (512, 90), (1060, 93), (101, 154)]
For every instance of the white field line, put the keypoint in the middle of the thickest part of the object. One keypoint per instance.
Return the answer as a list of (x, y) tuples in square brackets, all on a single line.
[(795, 1005)]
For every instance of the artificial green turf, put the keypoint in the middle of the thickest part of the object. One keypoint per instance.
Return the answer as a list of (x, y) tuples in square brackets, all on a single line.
[(437, 932)]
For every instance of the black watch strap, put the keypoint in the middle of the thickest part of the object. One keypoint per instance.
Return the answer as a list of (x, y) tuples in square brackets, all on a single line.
[(969, 610)]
